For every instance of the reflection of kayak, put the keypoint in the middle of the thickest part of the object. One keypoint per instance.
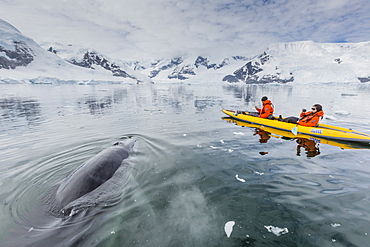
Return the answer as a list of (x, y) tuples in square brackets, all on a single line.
[(277, 133), (322, 131)]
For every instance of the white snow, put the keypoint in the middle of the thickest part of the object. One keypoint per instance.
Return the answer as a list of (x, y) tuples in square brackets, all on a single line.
[(322, 62), (306, 61)]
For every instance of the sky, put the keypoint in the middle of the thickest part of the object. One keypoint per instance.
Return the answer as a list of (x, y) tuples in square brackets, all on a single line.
[(148, 29)]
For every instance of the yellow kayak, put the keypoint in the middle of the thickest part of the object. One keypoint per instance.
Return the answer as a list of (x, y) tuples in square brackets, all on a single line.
[(283, 134), (322, 131)]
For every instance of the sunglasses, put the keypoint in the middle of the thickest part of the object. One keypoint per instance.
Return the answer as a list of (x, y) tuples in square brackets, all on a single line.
[(314, 109)]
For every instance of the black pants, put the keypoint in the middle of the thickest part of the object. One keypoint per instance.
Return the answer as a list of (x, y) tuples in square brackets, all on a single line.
[(290, 120)]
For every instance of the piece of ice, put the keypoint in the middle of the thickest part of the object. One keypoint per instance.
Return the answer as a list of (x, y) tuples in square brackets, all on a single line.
[(222, 141), (30, 230), (238, 133), (240, 179), (230, 150), (277, 230), (335, 225), (229, 228), (213, 147)]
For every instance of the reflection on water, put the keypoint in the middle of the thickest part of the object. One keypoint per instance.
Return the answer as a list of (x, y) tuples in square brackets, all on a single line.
[(192, 172), (309, 144), (97, 106), (247, 94), (19, 110), (310, 147)]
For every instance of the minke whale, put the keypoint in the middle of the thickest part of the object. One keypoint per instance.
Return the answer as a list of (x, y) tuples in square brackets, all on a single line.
[(92, 174)]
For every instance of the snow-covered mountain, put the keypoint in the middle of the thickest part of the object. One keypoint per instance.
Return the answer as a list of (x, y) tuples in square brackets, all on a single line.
[(305, 62), (189, 67), (22, 59), (93, 60)]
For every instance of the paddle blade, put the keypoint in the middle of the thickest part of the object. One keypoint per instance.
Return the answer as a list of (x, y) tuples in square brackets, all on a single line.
[(294, 131)]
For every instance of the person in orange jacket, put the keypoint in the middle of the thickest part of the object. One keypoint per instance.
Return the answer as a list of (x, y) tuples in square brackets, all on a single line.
[(310, 118), (267, 109)]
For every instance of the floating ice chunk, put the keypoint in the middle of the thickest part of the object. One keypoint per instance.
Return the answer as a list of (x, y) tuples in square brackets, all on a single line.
[(240, 179), (259, 173), (230, 150), (330, 117), (238, 133), (277, 230), (342, 112), (184, 134), (222, 141), (213, 147), (112, 232), (229, 228), (30, 230), (335, 225), (199, 146)]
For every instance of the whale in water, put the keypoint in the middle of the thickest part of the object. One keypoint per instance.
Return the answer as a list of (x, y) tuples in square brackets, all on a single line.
[(99, 179), (93, 173)]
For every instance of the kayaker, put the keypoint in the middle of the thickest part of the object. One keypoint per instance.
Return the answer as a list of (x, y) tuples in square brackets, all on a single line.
[(267, 109), (310, 118)]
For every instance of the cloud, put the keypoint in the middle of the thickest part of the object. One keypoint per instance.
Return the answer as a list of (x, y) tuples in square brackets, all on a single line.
[(134, 29)]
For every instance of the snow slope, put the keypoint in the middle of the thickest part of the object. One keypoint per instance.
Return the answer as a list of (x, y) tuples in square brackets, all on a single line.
[(41, 66), (306, 62)]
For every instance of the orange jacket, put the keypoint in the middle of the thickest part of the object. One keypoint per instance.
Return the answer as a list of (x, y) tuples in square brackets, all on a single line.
[(310, 118), (266, 110)]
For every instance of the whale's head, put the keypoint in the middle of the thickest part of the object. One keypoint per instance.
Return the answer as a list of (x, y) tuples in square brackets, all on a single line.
[(127, 144)]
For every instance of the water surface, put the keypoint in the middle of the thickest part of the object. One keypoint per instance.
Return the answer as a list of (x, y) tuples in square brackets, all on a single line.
[(191, 172)]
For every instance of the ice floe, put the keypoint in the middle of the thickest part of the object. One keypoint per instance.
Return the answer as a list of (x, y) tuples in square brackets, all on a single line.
[(229, 228), (277, 230)]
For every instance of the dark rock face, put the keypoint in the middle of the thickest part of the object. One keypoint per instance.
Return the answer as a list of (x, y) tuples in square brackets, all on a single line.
[(92, 58), (202, 61), (173, 63), (181, 70), (21, 56), (364, 79), (252, 73)]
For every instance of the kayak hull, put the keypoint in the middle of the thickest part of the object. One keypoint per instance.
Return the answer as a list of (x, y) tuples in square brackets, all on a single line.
[(322, 131)]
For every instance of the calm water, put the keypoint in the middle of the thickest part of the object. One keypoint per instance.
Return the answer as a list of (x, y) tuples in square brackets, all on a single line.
[(191, 171)]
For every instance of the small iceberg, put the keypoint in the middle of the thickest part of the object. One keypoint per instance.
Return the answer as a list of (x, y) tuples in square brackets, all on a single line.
[(229, 228), (277, 230)]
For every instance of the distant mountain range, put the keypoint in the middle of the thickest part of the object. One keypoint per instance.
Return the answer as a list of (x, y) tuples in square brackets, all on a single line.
[(23, 60)]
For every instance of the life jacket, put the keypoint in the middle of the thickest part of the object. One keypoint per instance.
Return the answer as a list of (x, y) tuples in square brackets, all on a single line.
[(267, 109), (310, 118)]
